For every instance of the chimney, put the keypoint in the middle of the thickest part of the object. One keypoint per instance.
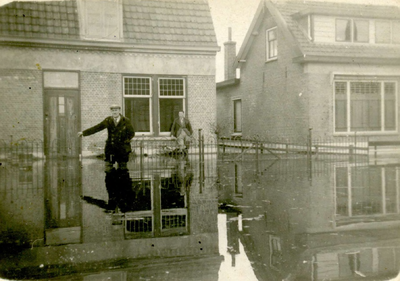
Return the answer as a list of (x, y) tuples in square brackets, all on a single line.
[(230, 56)]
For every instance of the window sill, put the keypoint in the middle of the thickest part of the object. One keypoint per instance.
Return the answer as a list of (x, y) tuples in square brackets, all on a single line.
[(269, 60), (350, 134)]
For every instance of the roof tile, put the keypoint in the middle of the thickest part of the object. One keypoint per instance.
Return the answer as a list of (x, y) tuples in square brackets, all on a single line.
[(157, 22)]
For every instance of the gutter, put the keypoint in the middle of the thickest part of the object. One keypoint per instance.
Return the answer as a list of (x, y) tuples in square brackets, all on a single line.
[(106, 46), (228, 83), (341, 59)]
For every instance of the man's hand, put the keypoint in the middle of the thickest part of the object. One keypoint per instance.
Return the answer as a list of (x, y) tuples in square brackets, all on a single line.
[(80, 134)]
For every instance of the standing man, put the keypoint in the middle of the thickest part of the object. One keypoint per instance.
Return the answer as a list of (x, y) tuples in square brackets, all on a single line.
[(120, 133), (182, 131)]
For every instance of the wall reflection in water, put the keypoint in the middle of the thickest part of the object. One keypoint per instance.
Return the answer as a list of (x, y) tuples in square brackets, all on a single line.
[(70, 217), (337, 221)]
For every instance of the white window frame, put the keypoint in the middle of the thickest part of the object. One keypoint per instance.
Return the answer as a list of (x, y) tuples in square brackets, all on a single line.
[(348, 112), (267, 42), (237, 133), (352, 30), (150, 97), (183, 98)]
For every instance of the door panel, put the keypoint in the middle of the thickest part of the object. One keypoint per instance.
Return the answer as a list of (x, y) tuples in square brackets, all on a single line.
[(61, 115)]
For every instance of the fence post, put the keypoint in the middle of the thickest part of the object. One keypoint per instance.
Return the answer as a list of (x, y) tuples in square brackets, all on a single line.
[(257, 168), (200, 161), (309, 145), (141, 155)]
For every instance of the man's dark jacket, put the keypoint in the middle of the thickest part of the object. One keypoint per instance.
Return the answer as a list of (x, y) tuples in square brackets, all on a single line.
[(119, 138), (177, 126)]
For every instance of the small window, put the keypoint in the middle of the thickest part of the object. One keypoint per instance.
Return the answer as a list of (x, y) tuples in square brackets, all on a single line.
[(271, 44), (348, 30), (383, 32), (237, 116)]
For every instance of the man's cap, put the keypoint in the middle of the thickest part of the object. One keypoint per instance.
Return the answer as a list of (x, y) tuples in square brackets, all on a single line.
[(115, 106)]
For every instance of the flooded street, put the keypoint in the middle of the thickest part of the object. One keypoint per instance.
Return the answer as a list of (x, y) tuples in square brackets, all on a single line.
[(175, 218)]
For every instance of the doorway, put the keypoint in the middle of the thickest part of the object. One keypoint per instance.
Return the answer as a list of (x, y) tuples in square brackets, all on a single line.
[(61, 123)]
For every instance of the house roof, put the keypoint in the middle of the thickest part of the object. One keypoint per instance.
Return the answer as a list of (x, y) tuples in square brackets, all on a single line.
[(150, 22), (286, 13)]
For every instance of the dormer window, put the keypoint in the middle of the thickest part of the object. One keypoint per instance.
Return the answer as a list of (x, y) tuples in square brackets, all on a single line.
[(387, 32), (101, 19), (352, 30)]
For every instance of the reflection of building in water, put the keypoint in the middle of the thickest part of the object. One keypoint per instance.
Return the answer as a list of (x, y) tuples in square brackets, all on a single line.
[(342, 224), (159, 213), (62, 202)]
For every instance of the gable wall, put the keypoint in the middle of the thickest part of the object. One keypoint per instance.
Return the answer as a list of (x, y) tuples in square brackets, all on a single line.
[(271, 104)]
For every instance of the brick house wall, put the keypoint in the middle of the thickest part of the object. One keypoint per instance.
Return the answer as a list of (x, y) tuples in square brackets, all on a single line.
[(101, 83), (22, 104)]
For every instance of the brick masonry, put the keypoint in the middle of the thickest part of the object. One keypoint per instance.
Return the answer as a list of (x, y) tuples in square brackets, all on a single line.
[(21, 100), (202, 103), (98, 91)]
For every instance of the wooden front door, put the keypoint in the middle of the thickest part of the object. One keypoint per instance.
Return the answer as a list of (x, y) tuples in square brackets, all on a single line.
[(61, 122)]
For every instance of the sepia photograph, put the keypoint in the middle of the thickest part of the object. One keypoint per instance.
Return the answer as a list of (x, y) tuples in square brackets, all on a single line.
[(200, 140)]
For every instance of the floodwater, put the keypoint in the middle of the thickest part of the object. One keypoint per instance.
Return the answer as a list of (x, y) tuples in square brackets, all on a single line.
[(171, 218)]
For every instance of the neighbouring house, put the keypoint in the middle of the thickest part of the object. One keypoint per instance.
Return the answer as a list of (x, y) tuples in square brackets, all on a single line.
[(64, 62), (333, 67)]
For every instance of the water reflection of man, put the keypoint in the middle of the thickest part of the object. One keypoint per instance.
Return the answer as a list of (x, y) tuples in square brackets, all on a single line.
[(124, 195), (182, 131), (184, 176), (120, 133)]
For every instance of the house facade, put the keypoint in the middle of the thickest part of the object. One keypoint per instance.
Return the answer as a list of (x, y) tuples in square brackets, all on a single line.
[(64, 62), (330, 67)]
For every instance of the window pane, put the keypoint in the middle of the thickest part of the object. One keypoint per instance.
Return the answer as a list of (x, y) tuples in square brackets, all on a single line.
[(137, 86), (396, 32), (171, 87), (365, 106), (390, 109), (272, 44), (169, 109), (271, 35), (340, 106), (273, 49), (361, 31), (343, 30), (138, 111), (382, 31), (237, 116)]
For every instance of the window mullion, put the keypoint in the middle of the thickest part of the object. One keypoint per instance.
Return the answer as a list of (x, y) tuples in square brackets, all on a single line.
[(349, 195), (348, 112), (383, 183), (382, 107)]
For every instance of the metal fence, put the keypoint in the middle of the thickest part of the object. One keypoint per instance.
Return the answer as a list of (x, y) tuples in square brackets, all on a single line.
[(203, 148)]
